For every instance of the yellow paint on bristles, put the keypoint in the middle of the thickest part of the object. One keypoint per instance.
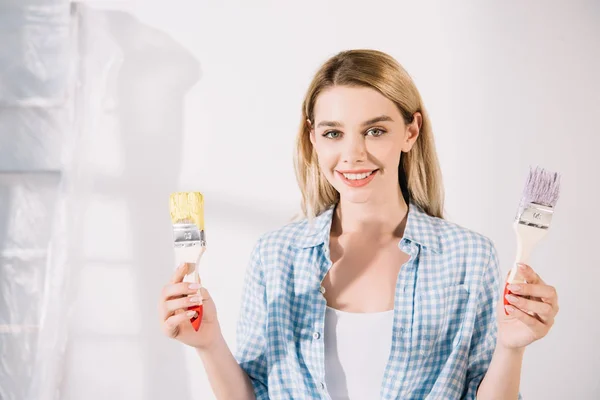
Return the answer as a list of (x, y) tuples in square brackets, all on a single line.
[(187, 207)]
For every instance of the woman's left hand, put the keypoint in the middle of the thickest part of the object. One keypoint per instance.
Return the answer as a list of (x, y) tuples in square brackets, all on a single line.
[(533, 306)]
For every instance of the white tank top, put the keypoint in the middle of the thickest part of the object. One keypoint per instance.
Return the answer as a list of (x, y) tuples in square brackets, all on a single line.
[(357, 348)]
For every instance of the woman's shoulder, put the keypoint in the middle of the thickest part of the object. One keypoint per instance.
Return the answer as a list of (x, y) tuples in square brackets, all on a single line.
[(444, 235), (471, 254), (294, 234), (456, 237)]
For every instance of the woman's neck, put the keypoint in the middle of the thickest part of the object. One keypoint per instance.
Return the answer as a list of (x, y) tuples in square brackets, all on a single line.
[(378, 219)]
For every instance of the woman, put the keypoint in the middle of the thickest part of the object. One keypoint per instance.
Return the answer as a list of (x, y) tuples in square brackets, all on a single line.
[(373, 294)]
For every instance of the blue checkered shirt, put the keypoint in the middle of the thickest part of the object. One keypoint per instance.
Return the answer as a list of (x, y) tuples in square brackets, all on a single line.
[(444, 329)]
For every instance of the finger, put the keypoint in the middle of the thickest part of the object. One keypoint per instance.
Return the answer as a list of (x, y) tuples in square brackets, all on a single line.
[(205, 295), (543, 310), (171, 325), (533, 323), (180, 273), (529, 274), (175, 290), (171, 306), (545, 292)]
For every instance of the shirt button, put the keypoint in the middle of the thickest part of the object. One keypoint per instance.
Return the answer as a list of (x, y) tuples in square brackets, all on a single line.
[(316, 335), (322, 290)]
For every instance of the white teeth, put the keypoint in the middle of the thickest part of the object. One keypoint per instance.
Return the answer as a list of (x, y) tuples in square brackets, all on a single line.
[(355, 177)]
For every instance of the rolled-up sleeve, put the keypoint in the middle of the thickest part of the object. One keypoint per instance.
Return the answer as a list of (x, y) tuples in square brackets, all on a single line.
[(483, 342), (251, 327)]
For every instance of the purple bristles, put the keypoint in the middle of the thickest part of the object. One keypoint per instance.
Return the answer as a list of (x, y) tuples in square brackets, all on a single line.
[(542, 187)]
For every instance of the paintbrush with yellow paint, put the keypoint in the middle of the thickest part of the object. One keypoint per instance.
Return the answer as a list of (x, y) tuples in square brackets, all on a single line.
[(187, 215)]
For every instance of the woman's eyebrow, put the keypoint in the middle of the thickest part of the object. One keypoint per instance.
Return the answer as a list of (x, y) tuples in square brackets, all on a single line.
[(335, 124)]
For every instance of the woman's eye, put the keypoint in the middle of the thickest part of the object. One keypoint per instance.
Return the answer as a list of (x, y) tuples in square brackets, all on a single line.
[(376, 132), (332, 134)]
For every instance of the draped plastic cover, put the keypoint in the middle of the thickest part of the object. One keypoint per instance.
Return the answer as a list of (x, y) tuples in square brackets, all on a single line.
[(36, 132), (80, 89)]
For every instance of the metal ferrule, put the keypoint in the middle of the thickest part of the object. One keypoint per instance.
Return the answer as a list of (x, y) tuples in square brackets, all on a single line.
[(536, 215), (188, 235)]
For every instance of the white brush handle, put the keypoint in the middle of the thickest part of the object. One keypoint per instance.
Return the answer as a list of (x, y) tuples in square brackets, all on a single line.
[(527, 238), (191, 256), (197, 274)]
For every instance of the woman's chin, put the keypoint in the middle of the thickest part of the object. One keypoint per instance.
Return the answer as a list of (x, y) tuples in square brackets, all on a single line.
[(355, 196)]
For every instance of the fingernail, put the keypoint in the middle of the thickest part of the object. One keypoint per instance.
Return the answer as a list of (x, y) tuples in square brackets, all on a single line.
[(510, 309), (195, 286), (522, 267), (512, 299), (195, 299), (514, 288), (191, 314)]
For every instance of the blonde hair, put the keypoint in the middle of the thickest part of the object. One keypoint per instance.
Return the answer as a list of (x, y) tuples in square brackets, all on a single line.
[(419, 172)]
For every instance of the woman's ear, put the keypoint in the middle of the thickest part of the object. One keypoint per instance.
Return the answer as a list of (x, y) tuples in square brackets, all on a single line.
[(412, 132)]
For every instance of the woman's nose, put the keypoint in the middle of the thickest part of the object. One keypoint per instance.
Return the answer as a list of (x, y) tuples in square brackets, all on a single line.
[(355, 149)]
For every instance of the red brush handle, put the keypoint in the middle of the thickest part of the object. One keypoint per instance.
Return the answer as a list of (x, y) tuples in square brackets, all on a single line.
[(198, 318)]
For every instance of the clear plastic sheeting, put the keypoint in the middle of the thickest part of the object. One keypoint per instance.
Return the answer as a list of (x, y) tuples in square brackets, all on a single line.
[(36, 105), (27, 204), (23, 147), (35, 39), (91, 109)]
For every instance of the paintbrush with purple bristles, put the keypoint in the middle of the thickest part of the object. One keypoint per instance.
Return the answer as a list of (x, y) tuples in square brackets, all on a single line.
[(533, 218)]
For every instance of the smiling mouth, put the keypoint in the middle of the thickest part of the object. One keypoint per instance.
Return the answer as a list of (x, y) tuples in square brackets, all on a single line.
[(357, 178)]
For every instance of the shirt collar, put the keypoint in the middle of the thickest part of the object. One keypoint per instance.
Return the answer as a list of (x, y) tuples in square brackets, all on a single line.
[(421, 228)]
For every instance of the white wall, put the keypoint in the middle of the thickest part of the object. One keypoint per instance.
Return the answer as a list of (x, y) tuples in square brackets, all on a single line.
[(507, 85)]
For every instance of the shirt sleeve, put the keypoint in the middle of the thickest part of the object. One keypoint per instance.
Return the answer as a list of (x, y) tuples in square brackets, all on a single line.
[(485, 333), (251, 327)]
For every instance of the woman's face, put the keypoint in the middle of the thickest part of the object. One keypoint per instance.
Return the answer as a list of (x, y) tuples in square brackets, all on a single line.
[(358, 135)]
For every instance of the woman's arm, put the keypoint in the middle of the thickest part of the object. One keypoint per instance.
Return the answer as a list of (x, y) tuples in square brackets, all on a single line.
[(493, 371), (242, 376), (251, 332), (227, 379), (529, 317), (503, 376)]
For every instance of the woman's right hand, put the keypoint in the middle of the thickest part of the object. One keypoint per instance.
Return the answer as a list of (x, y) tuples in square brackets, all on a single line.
[(176, 297)]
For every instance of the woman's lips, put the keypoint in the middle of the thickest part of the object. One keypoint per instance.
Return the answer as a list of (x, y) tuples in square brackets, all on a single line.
[(357, 182)]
